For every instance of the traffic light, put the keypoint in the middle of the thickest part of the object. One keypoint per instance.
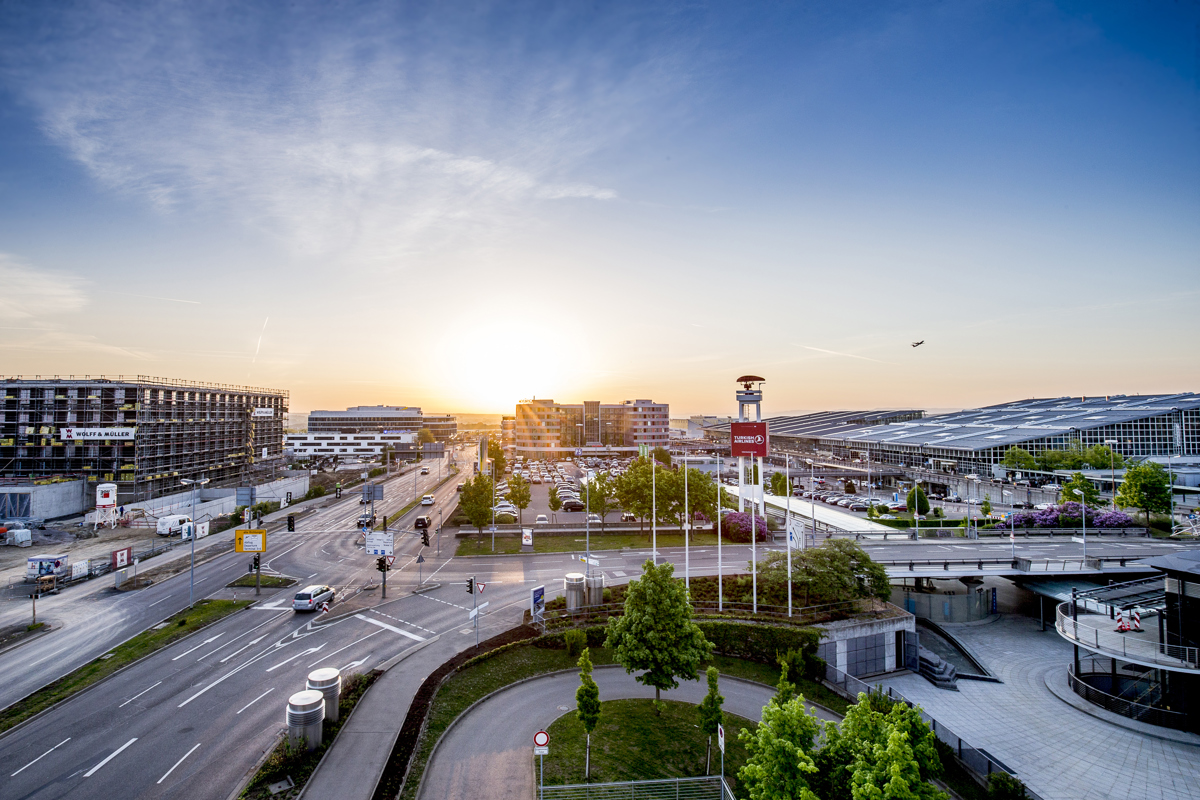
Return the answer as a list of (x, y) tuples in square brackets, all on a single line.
[(425, 538), (337, 493), (256, 561), (471, 585), (250, 566), (381, 564), (291, 523)]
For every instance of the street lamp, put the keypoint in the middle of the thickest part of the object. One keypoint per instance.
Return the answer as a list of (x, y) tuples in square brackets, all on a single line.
[(1082, 518), (787, 524), (917, 507), (193, 482), (1012, 521), (812, 499), (1112, 469)]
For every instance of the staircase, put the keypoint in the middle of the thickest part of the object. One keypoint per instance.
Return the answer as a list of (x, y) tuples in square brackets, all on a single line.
[(937, 671)]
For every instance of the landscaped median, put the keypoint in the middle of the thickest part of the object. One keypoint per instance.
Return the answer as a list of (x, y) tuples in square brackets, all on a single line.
[(171, 630), (570, 543)]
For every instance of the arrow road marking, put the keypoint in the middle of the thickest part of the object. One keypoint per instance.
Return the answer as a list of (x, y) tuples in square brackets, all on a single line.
[(113, 755), (177, 763), (240, 649), (39, 758), (391, 628), (197, 647), (358, 663), (136, 696), (293, 658), (255, 700)]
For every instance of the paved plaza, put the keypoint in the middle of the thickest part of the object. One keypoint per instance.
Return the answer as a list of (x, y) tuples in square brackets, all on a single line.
[(1061, 752)]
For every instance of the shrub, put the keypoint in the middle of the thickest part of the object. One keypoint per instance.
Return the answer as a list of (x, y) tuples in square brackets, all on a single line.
[(766, 643), (575, 640), (314, 492), (505, 519), (736, 527), (1002, 786)]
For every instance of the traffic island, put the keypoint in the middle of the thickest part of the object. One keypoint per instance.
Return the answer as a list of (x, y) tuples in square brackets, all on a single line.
[(268, 582)]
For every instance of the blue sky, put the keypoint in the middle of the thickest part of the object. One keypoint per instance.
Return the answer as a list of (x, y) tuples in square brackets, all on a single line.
[(459, 205)]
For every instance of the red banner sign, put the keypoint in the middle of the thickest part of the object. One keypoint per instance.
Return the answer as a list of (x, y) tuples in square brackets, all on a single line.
[(122, 558), (748, 438)]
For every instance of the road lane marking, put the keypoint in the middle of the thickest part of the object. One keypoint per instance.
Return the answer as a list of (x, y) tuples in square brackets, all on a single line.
[(391, 628), (136, 696), (209, 640), (156, 602), (177, 763), (255, 700), (358, 663), (315, 574), (447, 602), (251, 643), (340, 649), (39, 758), (404, 621), (293, 658), (111, 756)]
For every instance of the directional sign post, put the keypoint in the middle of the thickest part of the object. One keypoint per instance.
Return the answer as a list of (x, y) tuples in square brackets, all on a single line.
[(380, 543)]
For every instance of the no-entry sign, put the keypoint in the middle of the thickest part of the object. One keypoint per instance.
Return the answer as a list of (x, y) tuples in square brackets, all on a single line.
[(541, 743), (748, 438)]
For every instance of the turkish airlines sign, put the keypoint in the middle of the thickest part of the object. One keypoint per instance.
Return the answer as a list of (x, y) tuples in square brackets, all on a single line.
[(748, 438)]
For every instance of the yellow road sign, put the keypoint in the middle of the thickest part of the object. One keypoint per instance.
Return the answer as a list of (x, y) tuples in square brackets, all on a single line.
[(250, 541)]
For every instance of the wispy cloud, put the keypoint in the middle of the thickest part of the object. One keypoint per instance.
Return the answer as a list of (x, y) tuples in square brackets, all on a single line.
[(38, 295), (844, 355)]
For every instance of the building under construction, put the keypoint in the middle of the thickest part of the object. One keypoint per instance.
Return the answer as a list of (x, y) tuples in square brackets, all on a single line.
[(143, 434)]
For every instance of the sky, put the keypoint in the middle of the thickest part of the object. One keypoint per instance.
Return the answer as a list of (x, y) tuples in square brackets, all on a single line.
[(458, 205)]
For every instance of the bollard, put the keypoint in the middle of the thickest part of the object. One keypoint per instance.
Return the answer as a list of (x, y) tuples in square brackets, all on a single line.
[(595, 589), (305, 719), (327, 681), (575, 590)]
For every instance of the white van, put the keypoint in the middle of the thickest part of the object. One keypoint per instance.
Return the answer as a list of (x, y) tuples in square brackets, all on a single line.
[(173, 525), (427, 500)]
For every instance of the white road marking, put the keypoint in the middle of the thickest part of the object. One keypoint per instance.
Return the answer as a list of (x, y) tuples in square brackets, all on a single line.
[(255, 700), (209, 640), (293, 658), (136, 696), (340, 649), (315, 574), (177, 763), (156, 602), (390, 627), (243, 647), (111, 756), (404, 621), (447, 602), (358, 663), (39, 758)]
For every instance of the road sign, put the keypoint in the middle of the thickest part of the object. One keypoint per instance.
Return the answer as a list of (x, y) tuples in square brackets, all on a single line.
[(481, 586), (380, 543), (541, 739), (578, 451), (475, 611), (541, 751), (391, 560), (245, 495), (721, 736), (250, 541), (372, 491), (537, 601), (420, 558)]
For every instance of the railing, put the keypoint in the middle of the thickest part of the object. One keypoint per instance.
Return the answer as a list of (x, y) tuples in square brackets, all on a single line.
[(1126, 646), (975, 760), (1126, 708), (805, 615), (710, 787)]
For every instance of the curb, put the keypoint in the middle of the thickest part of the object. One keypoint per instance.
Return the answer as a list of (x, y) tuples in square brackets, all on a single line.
[(324, 755), (262, 759), (47, 627), (1106, 716), (107, 678)]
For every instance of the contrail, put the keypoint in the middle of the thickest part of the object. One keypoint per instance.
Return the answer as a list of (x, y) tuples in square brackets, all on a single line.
[(260, 335), (847, 355)]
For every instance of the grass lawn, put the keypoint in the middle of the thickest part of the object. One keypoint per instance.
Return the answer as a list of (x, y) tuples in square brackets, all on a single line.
[(474, 682), (633, 742), (268, 582), (476, 546), (185, 622)]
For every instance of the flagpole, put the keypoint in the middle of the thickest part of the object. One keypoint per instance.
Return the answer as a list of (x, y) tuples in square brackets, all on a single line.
[(787, 527)]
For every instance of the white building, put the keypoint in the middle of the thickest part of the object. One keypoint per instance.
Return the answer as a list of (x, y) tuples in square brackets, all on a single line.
[(348, 445)]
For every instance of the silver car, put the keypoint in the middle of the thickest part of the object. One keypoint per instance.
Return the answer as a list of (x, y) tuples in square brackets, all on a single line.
[(312, 598)]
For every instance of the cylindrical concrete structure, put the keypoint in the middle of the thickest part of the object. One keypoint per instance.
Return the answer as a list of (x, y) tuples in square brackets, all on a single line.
[(327, 681), (106, 495), (306, 718), (595, 589), (575, 590)]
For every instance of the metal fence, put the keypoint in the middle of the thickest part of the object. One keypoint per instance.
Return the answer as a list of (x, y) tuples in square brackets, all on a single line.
[(710, 787), (1118, 705), (1111, 642), (974, 759)]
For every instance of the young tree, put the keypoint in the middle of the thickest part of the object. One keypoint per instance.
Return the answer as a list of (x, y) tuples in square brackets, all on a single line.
[(985, 507), (476, 501), (656, 633), (587, 702), (779, 485), (850, 487), (425, 436), (661, 455), (921, 504), (633, 489), (520, 495), (780, 764), (1019, 458), (1091, 495), (1146, 486), (710, 715), (496, 454), (555, 500), (601, 497)]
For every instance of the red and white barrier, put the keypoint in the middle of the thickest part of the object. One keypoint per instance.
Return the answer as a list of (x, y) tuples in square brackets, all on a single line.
[(1122, 627), (1136, 619)]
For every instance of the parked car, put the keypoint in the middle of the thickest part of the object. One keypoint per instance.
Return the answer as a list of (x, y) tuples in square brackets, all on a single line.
[(953, 498), (542, 519), (1043, 506), (1052, 487), (858, 505), (897, 507), (572, 504), (310, 598), (594, 518)]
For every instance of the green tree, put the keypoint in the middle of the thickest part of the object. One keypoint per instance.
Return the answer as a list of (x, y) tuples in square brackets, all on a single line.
[(700, 492), (986, 506), (476, 501), (633, 489), (425, 436), (656, 633), (779, 485), (921, 504), (520, 495), (601, 497), (837, 571), (1091, 495), (1019, 458), (779, 764), (662, 455), (850, 487), (1100, 456), (1146, 486), (710, 715), (496, 454), (555, 500), (587, 703)]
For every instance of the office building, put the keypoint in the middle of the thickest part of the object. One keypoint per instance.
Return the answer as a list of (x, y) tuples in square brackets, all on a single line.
[(548, 430), (383, 419), (143, 434)]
